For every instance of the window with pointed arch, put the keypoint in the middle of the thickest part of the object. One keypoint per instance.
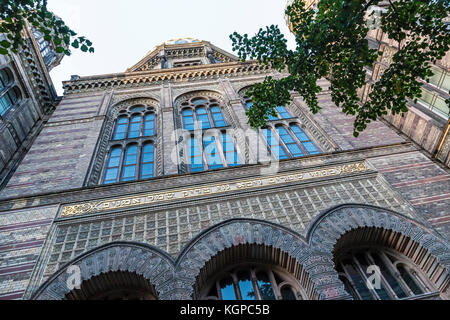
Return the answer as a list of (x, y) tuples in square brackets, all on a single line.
[(131, 155), (254, 282), (398, 277), (9, 92), (288, 142)]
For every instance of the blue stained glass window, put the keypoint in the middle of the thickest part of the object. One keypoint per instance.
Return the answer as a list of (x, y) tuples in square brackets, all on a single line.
[(265, 287), (135, 127), (149, 125), (230, 151), (121, 128), (305, 140), (199, 101), (212, 153), (282, 111), (203, 118), (246, 286), (227, 289), (130, 163), (271, 117), (148, 159), (137, 109), (188, 119), (9, 97), (112, 171), (217, 116), (195, 155), (290, 143), (277, 150)]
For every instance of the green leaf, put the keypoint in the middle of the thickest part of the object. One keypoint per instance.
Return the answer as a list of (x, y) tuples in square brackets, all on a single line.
[(5, 43)]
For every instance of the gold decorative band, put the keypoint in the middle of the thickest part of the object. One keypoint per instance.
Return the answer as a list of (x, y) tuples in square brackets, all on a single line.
[(210, 189)]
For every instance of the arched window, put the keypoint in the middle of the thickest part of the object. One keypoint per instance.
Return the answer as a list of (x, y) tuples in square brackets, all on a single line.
[(212, 153), (195, 155), (202, 113), (9, 93), (130, 163), (137, 122), (230, 151), (113, 167), (134, 158), (304, 140), (253, 282), (397, 277), (291, 142), (44, 46), (274, 145), (215, 151), (281, 113)]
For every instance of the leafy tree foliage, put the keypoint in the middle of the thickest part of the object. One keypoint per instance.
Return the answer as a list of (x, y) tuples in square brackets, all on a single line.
[(331, 42), (14, 16)]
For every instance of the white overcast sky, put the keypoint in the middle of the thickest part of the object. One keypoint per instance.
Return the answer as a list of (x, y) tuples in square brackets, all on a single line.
[(123, 32)]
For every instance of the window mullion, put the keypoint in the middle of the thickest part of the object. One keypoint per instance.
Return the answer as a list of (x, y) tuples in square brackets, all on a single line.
[(275, 288), (139, 161), (122, 163), (219, 145), (350, 279), (363, 275), (204, 156), (383, 279), (395, 272), (282, 143), (297, 140), (237, 289), (254, 282)]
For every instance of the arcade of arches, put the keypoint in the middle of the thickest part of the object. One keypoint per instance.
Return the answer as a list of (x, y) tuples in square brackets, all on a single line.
[(247, 266)]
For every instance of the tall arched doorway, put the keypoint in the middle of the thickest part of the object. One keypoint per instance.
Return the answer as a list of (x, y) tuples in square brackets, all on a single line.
[(117, 285), (253, 272), (380, 264)]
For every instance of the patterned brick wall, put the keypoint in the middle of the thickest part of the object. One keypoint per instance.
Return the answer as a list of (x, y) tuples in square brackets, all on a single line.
[(424, 183), (340, 126), (59, 159), (22, 236), (171, 229)]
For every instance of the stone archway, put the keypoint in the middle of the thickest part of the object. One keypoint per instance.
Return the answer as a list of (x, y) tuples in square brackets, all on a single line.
[(118, 285), (235, 232), (389, 228), (152, 264)]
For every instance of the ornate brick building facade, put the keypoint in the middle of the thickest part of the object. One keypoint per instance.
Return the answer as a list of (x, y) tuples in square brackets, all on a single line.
[(151, 185)]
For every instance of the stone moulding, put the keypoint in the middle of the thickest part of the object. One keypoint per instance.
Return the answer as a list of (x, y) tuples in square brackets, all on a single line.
[(126, 80), (162, 196)]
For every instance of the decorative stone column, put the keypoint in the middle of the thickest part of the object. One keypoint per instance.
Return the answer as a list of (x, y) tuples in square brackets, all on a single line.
[(247, 134), (168, 134)]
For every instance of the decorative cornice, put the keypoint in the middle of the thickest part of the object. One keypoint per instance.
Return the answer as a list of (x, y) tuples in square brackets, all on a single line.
[(138, 79)]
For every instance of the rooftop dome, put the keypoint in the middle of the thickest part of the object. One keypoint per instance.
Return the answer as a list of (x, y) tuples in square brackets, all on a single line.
[(182, 41)]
